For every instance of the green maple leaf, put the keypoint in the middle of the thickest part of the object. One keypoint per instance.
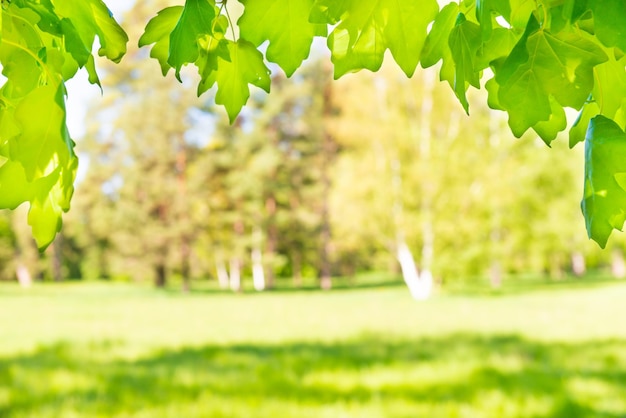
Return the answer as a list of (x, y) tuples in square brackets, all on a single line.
[(574, 9), (14, 187), (549, 129), (604, 200), (544, 64), (285, 24), (464, 42), (329, 12), (369, 27), (233, 76), (610, 22), (196, 21), (497, 48), (19, 53), (521, 11), (43, 143), (485, 14), (608, 98), (437, 47), (92, 18), (210, 50), (158, 32), (579, 128), (50, 199), (74, 44)]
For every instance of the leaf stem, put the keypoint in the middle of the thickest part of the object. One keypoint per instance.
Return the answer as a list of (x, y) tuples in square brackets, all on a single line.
[(230, 23)]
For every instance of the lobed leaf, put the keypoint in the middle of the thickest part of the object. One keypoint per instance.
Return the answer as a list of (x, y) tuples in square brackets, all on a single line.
[(464, 42), (369, 27), (604, 199), (233, 77), (196, 20), (92, 18), (158, 32), (544, 64), (610, 22), (285, 24)]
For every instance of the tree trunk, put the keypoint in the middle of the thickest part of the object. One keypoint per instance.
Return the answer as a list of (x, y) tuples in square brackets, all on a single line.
[(56, 253), (258, 275), (160, 275), (183, 213), (618, 266), (23, 276), (579, 266), (495, 275), (296, 266), (428, 233), (556, 269), (419, 287), (185, 267), (272, 240), (235, 275), (328, 150), (222, 274), (495, 215)]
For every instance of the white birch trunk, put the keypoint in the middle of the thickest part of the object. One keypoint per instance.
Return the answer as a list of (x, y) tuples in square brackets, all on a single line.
[(420, 286), (618, 266), (579, 267), (23, 276), (235, 275), (258, 275), (222, 274)]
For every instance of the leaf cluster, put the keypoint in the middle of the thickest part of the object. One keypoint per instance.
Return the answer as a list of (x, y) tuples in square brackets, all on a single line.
[(42, 45), (541, 56)]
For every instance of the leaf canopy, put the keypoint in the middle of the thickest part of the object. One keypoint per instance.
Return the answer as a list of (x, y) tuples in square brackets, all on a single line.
[(545, 57)]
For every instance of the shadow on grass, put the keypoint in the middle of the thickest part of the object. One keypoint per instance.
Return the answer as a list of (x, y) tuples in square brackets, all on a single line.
[(458, 375)]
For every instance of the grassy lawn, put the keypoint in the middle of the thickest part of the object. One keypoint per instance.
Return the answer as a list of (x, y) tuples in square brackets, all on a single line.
[(97, 350)]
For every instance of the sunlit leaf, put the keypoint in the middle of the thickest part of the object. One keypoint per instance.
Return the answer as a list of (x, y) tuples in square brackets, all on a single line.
[(196, 20), (604, 201), (285, 24), (158, 33), (233, 77)]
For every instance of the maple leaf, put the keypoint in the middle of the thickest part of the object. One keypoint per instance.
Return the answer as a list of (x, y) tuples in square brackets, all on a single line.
[(610, 22), (51, 198), (544, 64), (437, 47), (484, 14), (464, 41), (196, 20), (285, 24), (43, 143), (604, 199), (158, 32), (369, 27), (92, 18), (233, 76)]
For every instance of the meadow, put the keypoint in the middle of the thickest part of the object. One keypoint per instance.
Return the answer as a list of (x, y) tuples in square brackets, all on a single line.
[(120, 350)]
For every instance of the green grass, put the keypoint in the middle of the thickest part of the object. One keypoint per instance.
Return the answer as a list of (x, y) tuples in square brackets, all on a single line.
[(98, 350)]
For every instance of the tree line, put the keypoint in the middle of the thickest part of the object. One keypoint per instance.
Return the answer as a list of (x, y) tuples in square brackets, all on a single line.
[(317, 180)]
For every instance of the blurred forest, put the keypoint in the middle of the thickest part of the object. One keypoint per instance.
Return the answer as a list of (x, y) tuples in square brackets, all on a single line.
[(320, 179)]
